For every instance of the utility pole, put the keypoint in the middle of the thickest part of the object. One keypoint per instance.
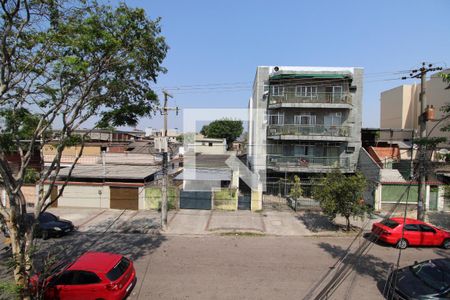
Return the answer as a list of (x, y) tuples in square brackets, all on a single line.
[(423, 118), (165, 161)]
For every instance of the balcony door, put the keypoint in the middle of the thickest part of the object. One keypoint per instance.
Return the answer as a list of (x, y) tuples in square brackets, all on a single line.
[(305, 119), (332, 156), (333, 119)]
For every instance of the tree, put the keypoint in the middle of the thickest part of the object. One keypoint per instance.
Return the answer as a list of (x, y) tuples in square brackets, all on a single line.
[(341, 194), (66, 63), (296, 190), (223, 129)]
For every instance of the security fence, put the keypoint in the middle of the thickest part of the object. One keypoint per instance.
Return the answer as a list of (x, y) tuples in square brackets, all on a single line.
[(278, 194)]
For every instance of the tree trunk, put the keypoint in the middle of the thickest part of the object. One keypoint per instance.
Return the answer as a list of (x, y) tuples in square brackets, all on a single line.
[(20, 250), (348, 222)]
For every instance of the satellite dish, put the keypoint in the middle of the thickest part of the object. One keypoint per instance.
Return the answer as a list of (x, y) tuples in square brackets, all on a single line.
[(443, 151)]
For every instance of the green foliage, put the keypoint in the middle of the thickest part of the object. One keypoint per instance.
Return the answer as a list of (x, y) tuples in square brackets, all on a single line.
[(447, 191), (341, 194), (153, 196), (18, 125), (223, 129), (296, 190), (31, 176), (9, 290), (431, 142), (226, 199), (187, 138)]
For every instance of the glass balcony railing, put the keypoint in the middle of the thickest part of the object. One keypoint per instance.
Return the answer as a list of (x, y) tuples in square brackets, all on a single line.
[(307, 162), (309, 130), (319, 97)]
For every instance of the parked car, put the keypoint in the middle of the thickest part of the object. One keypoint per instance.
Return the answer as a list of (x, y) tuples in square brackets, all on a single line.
[(426, 280), (94, 275), (51, 225), (415, 233)]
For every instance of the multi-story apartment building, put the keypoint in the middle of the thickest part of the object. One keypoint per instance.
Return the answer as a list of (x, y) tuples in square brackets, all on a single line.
[(305, 120), (400, 109)]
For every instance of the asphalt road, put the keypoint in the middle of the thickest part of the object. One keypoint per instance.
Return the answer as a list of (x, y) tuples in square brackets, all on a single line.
[(240, 267)]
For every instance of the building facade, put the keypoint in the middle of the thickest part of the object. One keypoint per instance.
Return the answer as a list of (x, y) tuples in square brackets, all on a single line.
[(400, 109), (305, 121)]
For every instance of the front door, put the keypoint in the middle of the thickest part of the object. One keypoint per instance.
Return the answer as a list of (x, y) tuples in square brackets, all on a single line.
[(433, 199)]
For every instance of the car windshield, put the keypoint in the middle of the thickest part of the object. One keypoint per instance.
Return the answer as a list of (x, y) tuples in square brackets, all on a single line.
[(389, 223), (432, 275), (47, 217), (118, 269)]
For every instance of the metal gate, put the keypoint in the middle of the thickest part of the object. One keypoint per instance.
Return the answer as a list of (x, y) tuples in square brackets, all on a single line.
[(244, 202), (195, 200), (433, 198), (124, 198)]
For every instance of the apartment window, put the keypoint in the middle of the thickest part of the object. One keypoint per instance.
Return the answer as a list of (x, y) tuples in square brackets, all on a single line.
[(306, 91), (337, 92), (276, 119), (333, 119), (265, 87), (350, 150), (277, 90), (305, 119), (303, 150)]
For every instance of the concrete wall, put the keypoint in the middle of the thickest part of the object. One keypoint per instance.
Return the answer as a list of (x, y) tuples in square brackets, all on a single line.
[(371, 170), (391, 108), (210, 147), (258, 123), (72, 151), (29, 192), (96, 196)]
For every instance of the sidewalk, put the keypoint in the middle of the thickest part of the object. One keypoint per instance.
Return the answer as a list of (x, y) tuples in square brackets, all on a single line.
[(204, 222), (276, 223)]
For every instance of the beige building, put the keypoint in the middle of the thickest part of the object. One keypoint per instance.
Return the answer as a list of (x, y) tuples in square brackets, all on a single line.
[(400, 108)]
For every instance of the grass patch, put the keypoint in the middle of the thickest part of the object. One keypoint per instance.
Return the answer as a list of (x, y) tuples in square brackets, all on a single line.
[(9, 290)]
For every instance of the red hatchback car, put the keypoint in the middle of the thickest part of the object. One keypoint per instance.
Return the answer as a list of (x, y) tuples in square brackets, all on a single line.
[(415, 233), (94, 275)]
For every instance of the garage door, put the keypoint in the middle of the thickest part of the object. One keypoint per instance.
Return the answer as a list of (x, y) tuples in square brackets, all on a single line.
[(195, 200), (124, 198)]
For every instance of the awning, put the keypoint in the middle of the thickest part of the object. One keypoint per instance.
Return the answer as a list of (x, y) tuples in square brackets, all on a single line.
[(323, 76)]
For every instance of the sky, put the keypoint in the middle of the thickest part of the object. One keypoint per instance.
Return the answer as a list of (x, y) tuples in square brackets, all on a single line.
[(215, 46)]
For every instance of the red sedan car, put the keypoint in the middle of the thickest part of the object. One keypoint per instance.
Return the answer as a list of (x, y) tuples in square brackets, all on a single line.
[(94, 275), (415, 233)]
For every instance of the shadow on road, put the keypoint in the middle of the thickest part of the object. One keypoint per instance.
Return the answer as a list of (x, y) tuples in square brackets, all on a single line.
[(315, 222), (70, 247), (440, 219), (368, 264)]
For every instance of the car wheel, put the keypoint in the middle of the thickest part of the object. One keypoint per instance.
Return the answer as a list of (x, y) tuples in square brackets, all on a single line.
[(446, 244), (402, 244), (45, 235)]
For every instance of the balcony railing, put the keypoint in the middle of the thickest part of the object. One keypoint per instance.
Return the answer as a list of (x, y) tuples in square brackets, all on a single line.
[(307, 162), (309, 130), (319, 97)]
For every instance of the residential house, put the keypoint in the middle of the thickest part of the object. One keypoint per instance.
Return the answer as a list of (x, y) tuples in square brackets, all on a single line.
[(202, 176), (388, 177), (208, 146), (105, 186)]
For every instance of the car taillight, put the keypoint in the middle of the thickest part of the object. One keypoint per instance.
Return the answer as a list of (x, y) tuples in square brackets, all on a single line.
[(386, 232), (112, 287)]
